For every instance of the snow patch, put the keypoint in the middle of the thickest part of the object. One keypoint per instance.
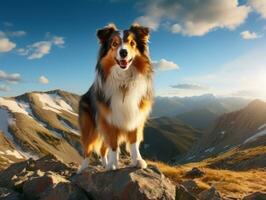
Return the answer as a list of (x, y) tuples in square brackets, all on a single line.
[(14, 153), (55, 103), (256, 136), (209, 150), (75, 131), (5, 121), (191, 157), (262, 126), (12, 105)]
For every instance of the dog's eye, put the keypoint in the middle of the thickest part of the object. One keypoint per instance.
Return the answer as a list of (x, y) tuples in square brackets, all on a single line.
[(132, 43), (115, 44)]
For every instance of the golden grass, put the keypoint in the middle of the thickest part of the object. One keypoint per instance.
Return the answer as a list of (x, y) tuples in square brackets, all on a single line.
[(228, 183)]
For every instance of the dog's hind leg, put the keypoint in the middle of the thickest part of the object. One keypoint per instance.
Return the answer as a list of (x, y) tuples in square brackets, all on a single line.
[(89, 137), (104, 152)]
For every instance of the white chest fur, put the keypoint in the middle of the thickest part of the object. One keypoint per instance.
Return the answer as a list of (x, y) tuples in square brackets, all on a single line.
[(125, 89)]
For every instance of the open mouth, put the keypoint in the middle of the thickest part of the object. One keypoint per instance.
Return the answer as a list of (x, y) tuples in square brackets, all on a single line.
[(123, 63)]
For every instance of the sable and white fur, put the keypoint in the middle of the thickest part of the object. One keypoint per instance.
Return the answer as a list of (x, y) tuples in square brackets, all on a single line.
[(118, 103)]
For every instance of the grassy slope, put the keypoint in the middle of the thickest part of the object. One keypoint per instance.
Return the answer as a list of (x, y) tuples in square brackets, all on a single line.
[(228, 183)]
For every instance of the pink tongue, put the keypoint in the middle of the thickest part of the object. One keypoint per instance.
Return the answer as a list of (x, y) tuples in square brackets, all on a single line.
[(123, 62)]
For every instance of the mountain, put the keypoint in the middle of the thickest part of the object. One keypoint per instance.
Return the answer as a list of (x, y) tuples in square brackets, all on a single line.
[(237, 133), (40, 123), (172, 106), (166, 138), (200, 119)]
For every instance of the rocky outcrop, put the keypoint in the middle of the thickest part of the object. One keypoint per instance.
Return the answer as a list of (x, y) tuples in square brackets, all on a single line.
[(256, 196), (51, 179), (126, 183), (194, 173)]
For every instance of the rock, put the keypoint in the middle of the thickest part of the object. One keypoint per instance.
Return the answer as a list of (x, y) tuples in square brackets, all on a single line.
[(194, 173), (192, 187), (51, 163), (256, 196), (33, 188), (183, 194), (14, 176), (65, 191), (8, 194), (126, 184), (8, 177), (210, 194)]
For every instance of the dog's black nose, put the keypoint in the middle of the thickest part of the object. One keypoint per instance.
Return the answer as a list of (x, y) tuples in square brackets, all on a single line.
[(123, 53)]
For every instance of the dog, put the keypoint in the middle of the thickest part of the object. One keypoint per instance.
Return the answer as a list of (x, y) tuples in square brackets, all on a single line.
[(117, 105)]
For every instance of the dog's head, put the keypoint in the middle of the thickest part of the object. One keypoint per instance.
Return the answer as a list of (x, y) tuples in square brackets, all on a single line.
[(119, 48)]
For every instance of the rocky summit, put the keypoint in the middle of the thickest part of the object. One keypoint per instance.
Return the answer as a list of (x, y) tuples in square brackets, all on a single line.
[(51, 179)]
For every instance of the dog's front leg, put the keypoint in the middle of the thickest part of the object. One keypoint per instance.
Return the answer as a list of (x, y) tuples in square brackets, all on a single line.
[(134, 138), (112, 160), (137, 160)]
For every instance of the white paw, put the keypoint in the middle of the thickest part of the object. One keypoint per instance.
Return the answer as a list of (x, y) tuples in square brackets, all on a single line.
[(81, 169), (84, 165), (111, 167), (140, 163), (104, 162)]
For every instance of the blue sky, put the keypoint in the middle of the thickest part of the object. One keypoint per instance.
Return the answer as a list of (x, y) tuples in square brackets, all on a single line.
[(210, 46)]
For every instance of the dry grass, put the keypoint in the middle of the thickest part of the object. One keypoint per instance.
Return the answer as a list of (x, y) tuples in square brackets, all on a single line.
[(228, 183)]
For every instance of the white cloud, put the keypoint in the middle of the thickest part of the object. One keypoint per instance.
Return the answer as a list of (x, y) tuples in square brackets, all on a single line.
[(39, 49), (246, 73), (6, 45), (259, 6), (188, 86), (43, 80), (4, 88), (11, 78), (248, 35), (148, 21), (59, 41), (16, 33), (193, 18), (164, 65), (248, 93), (19, 33)]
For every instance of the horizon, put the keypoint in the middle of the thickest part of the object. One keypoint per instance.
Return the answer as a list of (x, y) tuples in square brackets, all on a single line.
[(221, 52), (157, 96)]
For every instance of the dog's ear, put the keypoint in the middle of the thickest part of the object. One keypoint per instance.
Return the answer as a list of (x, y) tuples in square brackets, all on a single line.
[(141, 32), (105, 33)]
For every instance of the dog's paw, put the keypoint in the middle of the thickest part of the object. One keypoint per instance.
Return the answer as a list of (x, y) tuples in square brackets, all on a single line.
[(81, 169), (140, 163), (83, 166), (111, 167)]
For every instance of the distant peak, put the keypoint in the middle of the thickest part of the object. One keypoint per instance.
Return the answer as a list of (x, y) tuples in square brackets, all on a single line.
[(256, 103)]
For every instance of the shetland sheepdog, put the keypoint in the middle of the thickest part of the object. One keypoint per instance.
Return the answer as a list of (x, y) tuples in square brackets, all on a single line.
[(118, 103)]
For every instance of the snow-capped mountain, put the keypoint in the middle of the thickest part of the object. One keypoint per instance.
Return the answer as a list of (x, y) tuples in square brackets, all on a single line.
[(41, 123)]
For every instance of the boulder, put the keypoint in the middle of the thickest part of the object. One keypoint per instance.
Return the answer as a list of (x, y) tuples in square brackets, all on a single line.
[(256, 196), (33, 188), (183, 194), (126, 184), (194, 173), (192, 187), (210, 194), (65, 191), (14, 176), (8, 194)]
